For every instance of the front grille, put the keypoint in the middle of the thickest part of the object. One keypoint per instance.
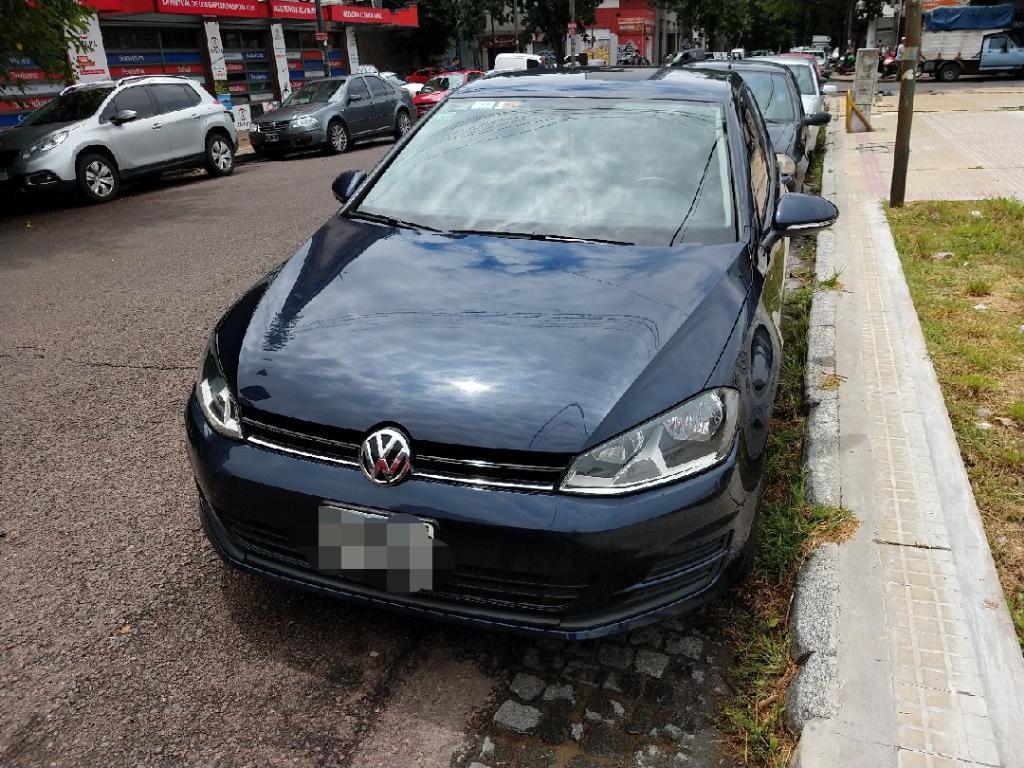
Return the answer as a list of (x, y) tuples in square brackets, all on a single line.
[(513, 470), (509, 590), (685, 574), (7, 157), (269, 541), (278, 125)]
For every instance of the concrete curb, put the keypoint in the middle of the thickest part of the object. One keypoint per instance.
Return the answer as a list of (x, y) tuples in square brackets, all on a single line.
[(814, 614)]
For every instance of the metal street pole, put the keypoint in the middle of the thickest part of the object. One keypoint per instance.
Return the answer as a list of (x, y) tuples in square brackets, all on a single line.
[(905, 116), (572, 37), (515, 21), (322, 43)]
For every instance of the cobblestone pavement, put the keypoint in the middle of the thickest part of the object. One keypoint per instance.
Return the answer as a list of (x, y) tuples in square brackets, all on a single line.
[(124, 641)]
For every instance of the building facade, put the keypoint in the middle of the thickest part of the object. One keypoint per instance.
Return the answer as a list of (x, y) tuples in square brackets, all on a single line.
[(250, 53)]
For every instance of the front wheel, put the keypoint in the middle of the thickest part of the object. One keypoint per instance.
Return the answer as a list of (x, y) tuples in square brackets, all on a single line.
[(949, 72), (337, 137), (402, 124), (97, 178), (220, 155)]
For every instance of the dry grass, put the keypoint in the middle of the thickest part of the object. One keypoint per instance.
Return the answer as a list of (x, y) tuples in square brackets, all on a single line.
[(971, 308)]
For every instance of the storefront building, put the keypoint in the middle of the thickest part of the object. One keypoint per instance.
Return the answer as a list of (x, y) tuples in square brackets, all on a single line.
[(250, 53)]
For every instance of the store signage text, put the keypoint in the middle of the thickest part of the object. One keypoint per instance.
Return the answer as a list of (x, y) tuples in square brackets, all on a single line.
[(290, 9), (213, 7)]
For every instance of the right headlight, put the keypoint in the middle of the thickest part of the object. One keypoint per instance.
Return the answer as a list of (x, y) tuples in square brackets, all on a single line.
[(681, 442), (215, 399)]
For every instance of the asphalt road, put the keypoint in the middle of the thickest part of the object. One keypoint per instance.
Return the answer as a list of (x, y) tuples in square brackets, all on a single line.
[(124, 640)]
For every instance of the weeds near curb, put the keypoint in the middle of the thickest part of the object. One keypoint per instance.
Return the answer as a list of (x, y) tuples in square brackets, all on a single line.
[(832, 283)]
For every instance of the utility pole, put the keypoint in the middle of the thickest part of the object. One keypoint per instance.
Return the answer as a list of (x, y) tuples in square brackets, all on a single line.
[(572, 37), (515, 21), (905, 117), (321, 37)]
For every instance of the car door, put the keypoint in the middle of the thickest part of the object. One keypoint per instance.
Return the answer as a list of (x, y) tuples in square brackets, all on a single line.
[(142, 141), (358, 107), (998, 53), (177, 106), (383, 104)]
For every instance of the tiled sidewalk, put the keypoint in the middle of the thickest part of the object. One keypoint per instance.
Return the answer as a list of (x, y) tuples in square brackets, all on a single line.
[(930, 673)]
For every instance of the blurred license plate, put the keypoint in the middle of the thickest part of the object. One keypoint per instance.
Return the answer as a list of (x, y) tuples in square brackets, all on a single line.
[(272, 137), (3, 175)]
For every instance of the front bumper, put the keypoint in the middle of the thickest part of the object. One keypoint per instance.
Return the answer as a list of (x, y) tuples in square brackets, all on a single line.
[(46, 172), (536, 563), (286, 139)]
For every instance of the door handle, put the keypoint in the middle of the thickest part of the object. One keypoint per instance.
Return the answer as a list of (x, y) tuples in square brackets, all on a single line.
[(157, 125), (195, 117)]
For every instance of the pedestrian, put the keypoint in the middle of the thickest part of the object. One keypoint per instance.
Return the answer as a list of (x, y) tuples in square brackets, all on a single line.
[(456, 64), (899, 49)]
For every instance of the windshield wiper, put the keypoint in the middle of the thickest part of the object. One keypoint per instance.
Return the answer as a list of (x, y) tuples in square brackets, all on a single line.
[(390, 221), (538, 236)]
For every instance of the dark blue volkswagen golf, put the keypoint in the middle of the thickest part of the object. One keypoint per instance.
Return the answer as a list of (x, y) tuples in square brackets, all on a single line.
[(523, 378)]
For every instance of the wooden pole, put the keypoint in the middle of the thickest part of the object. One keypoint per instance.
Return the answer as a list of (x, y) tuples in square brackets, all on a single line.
[(905, 116)]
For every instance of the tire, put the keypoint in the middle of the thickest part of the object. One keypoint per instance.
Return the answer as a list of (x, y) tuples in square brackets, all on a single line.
[(220, 155), (948, 72), (402, 124), (97, 177), (338, 138)]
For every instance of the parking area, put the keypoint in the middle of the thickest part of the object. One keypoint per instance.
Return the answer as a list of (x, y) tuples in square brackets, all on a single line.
[(124, 639)]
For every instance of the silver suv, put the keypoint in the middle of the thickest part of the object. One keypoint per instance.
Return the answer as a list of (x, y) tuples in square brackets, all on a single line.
[(334, 113), (96, 135)]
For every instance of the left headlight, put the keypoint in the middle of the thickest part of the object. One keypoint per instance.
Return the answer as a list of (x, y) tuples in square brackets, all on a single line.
[(215, 399), (688, 439), (51, 141), (305, 121)]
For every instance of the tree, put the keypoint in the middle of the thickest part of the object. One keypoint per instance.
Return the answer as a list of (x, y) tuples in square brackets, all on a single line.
[(43, 32), (552, 18)]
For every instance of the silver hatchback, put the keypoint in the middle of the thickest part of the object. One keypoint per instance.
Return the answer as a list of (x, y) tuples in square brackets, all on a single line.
[(96, 135)]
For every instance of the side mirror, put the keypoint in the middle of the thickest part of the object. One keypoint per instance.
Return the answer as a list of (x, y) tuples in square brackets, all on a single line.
[(799, 214), (346, 184), (829, 90), (818, 118), (124, 116), (354, 97)]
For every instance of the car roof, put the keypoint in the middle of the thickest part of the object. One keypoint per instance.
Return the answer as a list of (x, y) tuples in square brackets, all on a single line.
[(784, 60), (608, 82), (747, 65)]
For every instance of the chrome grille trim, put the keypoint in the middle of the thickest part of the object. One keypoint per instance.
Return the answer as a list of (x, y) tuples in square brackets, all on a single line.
[(297, 452)]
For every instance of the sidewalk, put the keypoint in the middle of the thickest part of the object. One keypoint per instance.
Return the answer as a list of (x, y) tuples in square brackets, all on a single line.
[(927, 667)]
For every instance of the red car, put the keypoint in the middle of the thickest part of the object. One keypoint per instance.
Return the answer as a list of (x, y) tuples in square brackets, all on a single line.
[(438, 87), (423, 74), (812, 57)]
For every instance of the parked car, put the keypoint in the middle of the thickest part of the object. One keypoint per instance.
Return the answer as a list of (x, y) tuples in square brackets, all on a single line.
[(395, 80), (819, 66), (333, 113), (94, 136), (561, 406), (441, 86), (777, 96), (811, 89), (423, 74), (512, 61), (684, 56)]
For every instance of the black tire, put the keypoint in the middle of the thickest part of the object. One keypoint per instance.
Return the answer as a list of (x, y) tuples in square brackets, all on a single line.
[(220, 155), (948, 72), (402, 124), (338, 138), (97, 177)]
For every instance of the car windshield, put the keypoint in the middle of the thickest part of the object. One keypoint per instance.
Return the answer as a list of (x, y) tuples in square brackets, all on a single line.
[(444, 82), (803, 74), (772, 96), (69, 107), (620, 170), (313, 93)]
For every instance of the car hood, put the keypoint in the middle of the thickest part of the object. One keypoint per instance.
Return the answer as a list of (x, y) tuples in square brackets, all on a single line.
[(287, 113), (24, 136), (432, 96), (501, 343), (783, 136)]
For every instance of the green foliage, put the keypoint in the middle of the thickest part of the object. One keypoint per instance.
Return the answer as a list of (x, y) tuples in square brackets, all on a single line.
[(552, 18), (41, 31)]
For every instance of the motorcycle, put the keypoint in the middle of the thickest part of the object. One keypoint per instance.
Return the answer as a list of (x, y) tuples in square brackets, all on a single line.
[(848, 63), (887, 65)]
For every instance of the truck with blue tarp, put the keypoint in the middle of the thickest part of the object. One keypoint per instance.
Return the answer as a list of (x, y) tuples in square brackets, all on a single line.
[(971, 40)]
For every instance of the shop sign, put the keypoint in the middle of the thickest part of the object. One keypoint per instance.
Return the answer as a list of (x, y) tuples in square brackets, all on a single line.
[(243, 116), (90, 63), (254, 55), (292, 9), (353, 49), (213, 43), (260, 96), (280, 58), (500, 41), (233, 66), (232, 55), (248, 8), (238, 88), (636, 24), (293, 65), (258, 76)]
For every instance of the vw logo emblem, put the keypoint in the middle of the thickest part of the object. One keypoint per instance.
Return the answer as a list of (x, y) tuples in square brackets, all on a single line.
[(385, 456)]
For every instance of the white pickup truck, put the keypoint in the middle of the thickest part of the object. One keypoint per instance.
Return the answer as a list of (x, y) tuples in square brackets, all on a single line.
[(971, 40)]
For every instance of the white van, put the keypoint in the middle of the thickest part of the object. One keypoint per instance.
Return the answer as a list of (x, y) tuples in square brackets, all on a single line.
[(507, 61)]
